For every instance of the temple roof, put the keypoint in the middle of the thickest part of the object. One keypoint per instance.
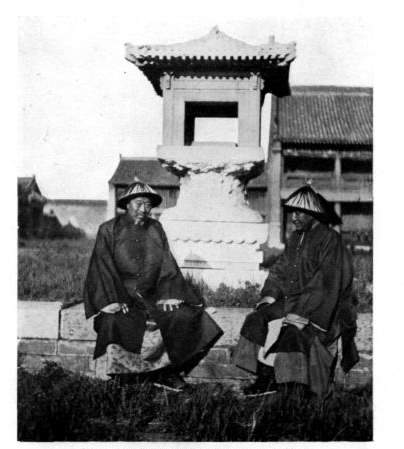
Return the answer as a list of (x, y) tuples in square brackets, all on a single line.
[(25, 181), (214, 51), (27, 185), (148, 170), (324, 115)]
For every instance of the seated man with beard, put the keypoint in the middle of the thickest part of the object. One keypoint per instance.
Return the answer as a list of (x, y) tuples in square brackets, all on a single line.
[(306, 305), (148, 320)]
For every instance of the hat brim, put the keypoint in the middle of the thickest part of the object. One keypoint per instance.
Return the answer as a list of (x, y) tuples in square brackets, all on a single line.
[(154, 198), (329, 217), (306, 211)]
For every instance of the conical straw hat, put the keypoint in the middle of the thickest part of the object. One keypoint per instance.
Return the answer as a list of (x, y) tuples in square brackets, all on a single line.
[(305, 199), (308, 200), (136, 189), (332, 217)]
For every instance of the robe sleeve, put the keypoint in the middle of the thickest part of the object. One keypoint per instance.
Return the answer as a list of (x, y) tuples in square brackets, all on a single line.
[(103, 284), (274, 282), (320, 296), (171, 283)]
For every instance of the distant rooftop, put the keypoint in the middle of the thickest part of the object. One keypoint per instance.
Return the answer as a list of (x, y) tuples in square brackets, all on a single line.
[(324, 115), (25, 181), (28, 185), (148, 170)]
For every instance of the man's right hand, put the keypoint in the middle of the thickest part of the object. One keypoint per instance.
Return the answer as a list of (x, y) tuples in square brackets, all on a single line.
[(116, 307), (170, 304), (265, 300)]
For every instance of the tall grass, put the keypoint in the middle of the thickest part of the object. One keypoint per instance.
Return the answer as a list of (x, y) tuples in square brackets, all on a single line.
[(54, 270), (217, 414), (54, 405), (225, 296)]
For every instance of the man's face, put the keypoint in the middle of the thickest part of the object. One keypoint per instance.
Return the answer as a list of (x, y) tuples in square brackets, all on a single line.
[(301, 220), (139, 208)]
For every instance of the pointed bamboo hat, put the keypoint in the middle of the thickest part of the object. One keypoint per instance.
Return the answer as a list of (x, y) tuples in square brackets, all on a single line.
[(332, 217), (136, 189), (306, 199)]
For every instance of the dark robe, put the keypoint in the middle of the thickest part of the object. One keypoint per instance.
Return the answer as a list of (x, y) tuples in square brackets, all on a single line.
[(133, 264), (312, 279)]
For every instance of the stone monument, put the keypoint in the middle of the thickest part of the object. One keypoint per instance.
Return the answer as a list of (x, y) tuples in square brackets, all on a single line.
[(213, 232)]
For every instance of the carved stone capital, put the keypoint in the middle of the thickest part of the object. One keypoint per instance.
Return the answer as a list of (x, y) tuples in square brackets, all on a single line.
[(213, 179), (242, 163)]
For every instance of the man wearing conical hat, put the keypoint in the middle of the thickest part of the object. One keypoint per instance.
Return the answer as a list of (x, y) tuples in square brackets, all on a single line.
[(150, 323), (306, 305)]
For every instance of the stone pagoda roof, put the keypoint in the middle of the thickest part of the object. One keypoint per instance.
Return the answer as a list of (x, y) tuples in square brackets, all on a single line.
[(216, 51)]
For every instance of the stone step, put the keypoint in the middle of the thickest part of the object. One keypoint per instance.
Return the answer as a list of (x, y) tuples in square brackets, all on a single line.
[(47, 332), (208, 371)]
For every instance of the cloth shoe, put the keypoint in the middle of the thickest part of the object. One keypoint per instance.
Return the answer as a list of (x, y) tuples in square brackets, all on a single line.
[(265, 383), (170, 382)]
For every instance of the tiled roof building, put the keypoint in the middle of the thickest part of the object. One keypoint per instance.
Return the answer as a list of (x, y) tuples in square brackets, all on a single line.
[(145, 168), (30, 206), (323, 134), (325, 115)]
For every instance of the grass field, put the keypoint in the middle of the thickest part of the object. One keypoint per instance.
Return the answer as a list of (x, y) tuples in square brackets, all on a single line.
[(54, 270), (55, 405)]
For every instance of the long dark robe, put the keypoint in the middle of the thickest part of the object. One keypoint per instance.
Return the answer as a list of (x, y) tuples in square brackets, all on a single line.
[(313, 279), (133, 264)]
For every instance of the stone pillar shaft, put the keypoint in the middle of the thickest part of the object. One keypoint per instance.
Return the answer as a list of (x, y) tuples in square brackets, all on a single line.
[(111, 201), (274, 196), (250, 118), (337, 174)]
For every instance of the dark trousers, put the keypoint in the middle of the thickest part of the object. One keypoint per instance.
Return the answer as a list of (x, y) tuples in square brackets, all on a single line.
[(253, 335), (255, 327)]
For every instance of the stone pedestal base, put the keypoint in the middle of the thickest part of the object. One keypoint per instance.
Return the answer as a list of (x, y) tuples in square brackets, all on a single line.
[(218, 251), (232, 278), (213, 233)]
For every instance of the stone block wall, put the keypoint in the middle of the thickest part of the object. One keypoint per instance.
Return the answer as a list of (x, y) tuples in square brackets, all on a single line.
[(48, 332)]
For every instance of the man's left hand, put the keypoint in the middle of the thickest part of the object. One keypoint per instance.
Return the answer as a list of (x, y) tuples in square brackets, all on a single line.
[(170, 304)]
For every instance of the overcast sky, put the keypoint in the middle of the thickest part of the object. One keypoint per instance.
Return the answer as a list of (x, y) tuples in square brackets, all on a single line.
[(82, 104)]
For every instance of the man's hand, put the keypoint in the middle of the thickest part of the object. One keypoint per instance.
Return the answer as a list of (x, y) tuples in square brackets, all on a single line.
[(265, 300), (296, 320), (170, 304), (116, 307)]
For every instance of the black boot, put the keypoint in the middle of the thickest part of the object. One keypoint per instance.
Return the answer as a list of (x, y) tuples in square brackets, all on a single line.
[(169, 379), (264, 384)]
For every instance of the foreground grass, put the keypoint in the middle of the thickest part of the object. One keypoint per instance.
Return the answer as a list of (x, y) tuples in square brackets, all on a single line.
[(54, 270), (55, 405)]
